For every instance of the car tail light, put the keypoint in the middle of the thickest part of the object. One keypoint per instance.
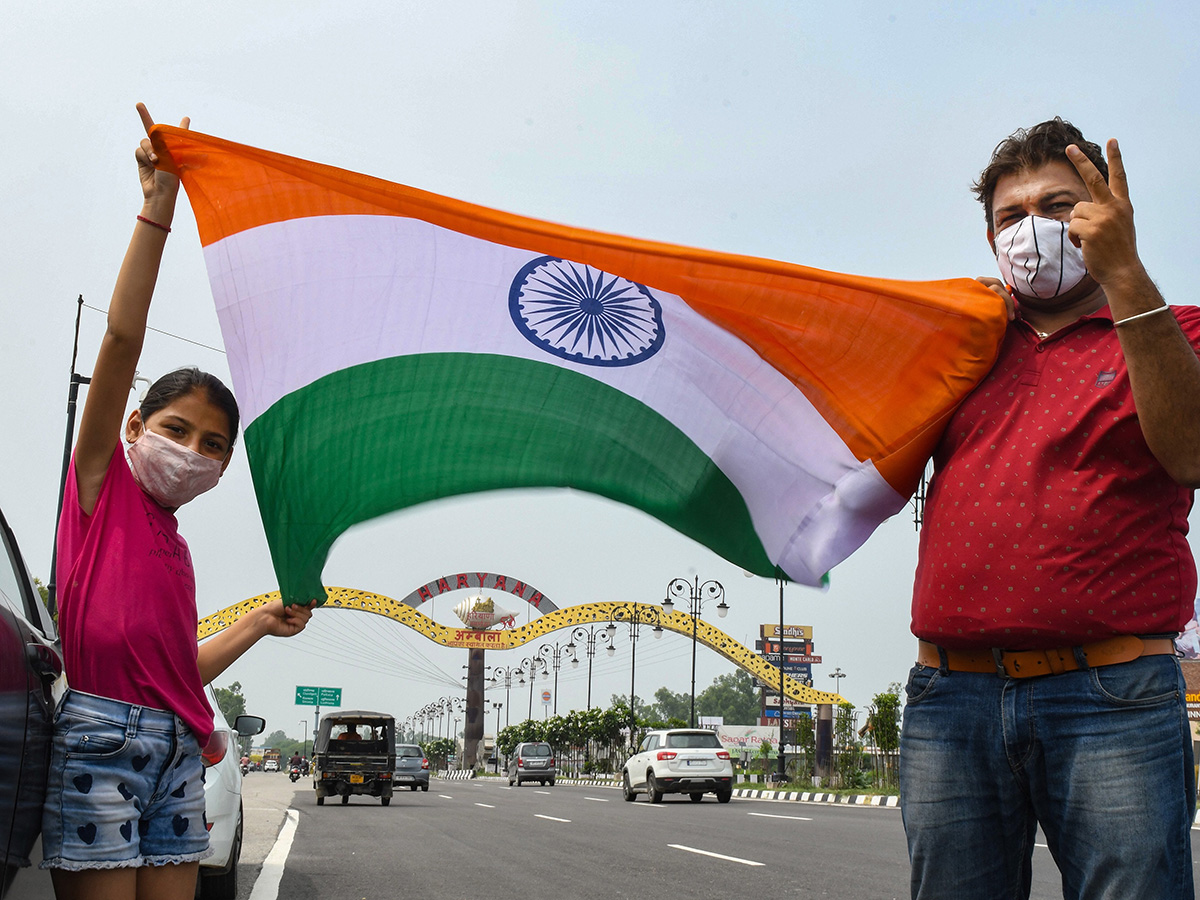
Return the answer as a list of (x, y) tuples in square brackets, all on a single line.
[(552, 762), (667, 754), (520, 763), (424, 764), (216, 748), (722, 754)]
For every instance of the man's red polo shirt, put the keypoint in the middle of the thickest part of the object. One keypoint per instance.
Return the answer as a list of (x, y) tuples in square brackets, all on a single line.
[(1048, 522)]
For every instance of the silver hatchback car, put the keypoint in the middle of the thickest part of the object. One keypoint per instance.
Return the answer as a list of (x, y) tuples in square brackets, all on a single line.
[(531, 761)]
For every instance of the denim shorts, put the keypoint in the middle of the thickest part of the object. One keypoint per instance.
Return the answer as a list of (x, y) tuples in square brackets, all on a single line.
[(126, 788)]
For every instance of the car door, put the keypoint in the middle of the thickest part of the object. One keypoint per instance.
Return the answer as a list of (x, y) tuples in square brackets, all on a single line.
[(640, 762), (29, 665)]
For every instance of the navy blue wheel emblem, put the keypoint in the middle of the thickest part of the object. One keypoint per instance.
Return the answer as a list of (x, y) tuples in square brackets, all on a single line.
[(582, 314)]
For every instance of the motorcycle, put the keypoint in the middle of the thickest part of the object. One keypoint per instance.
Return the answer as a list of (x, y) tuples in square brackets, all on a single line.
[(294, 773), (245, 768)]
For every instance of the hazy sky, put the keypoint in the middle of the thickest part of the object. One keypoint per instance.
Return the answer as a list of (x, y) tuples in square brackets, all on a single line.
[(842, 136)]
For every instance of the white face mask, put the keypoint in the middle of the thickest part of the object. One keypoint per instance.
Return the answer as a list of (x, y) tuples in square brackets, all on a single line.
[(1037, 258), (169, 472)]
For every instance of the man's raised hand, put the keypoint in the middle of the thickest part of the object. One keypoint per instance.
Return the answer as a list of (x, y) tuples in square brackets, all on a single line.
[(1103, 228)]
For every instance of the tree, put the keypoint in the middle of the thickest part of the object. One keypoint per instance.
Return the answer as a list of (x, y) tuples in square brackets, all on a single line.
[(670, 705), (733, 697), (883, 721), (231, 702)]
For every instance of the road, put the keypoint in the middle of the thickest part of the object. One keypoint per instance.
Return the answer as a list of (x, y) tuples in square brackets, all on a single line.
[(465, 839)]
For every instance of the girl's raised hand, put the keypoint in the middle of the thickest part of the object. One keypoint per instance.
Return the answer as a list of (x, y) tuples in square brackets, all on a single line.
[(159, 187)]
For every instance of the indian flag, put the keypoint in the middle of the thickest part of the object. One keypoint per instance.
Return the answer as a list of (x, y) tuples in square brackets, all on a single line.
[(389, 346)]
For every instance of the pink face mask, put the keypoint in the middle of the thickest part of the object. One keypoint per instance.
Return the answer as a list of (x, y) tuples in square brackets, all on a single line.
[(169, 472)]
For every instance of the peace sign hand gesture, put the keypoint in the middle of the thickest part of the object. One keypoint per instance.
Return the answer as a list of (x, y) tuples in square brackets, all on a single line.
[(1103, 229)]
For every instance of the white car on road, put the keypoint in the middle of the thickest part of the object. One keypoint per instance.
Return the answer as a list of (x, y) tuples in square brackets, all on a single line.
[(679, 761), (223, 802)]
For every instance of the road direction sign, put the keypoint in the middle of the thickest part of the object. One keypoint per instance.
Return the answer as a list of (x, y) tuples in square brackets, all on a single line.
[(318, 696)]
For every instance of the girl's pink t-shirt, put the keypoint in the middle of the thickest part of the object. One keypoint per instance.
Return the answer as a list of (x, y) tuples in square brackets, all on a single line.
[(127, 601)]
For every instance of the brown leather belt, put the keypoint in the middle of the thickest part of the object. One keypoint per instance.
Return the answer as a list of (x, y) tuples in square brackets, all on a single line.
[(1032, 663)]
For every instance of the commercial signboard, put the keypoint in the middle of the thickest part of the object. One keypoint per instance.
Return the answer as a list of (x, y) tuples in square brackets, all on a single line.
[(804, 647), (772, 700), (787, 713), (736, 738), (773, 658), (790, 632)]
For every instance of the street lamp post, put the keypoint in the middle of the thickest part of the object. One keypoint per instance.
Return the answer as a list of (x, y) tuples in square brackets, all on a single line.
[(588, 636), (304, 722), (837, 675), (532, 665), (496, 705), (634, 615), (554, 653), (695, 595), (507, 672)]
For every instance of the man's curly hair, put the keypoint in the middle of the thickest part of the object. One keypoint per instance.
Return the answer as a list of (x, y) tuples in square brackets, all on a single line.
[(1029, 148)]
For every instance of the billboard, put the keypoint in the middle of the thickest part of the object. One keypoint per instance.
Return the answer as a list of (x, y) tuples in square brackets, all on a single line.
[(790, 632)]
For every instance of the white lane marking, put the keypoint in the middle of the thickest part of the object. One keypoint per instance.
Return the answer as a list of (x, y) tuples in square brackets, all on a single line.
[(547, 793), (1047, 846), (770, 816), (649, 806), (485, 805), (551, 818), (445, 796), (744, 862), (266, 886), (597, 799)]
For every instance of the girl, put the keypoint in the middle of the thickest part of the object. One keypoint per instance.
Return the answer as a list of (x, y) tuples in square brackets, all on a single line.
[(124, 814)]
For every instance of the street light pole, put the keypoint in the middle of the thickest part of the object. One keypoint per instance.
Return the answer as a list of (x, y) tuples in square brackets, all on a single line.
[(781, 770), (532, 665), (588, 635), (304, 722), (695, 594), (635, 615), (837, 675), (555, 653)]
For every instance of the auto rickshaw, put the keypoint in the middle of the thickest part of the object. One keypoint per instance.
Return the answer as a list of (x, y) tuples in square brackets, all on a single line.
[(354, 753)]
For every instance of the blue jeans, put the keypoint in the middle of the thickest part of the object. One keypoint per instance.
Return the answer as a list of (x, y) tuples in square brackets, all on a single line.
[(126, 788), (1101, 758)]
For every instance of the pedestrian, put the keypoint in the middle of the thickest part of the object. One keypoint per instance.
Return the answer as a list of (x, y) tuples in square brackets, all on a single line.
[(1054, 572), (124, 812)]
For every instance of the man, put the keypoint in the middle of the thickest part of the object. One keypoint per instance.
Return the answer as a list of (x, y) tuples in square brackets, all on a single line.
[(1054, 569)]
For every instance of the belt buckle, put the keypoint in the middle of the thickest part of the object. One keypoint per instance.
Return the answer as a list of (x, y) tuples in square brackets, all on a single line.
[(998, 657)]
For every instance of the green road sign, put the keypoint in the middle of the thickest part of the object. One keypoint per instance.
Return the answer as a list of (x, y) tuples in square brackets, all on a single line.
[(318, 696)]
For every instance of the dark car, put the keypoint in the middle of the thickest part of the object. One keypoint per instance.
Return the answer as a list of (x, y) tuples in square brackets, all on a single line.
[(30, 664), (354, 753)]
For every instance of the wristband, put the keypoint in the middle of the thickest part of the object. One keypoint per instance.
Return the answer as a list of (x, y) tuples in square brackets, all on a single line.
[(1141, 315), (166, 228)]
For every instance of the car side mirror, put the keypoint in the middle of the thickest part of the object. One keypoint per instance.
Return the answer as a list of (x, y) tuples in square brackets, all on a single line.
[(249, 725)]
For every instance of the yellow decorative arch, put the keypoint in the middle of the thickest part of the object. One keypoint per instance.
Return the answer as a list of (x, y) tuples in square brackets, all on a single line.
[(567, 617)]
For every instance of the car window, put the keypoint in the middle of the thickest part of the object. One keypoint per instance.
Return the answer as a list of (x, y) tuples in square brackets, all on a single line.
[(694, 741), (538, 750), (645, 744), (407, 752), (14, 588), (652, 743)]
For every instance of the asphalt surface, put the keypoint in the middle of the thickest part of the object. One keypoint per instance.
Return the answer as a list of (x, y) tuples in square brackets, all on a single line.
[(471, 839), (465, 839)]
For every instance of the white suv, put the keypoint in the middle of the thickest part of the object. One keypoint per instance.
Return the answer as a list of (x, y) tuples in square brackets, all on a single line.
[(223, 803), (679, 761)]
